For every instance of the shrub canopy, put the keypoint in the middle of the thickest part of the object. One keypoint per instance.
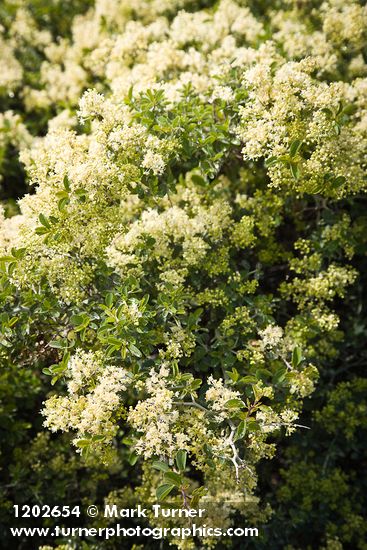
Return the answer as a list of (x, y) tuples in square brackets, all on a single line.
[(179, 263)]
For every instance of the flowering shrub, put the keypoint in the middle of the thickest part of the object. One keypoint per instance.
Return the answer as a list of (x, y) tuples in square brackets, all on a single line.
[(178, 267)]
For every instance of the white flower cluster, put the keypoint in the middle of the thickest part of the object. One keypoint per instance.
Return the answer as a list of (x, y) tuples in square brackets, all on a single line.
[(94, 398), (271, 336), (288, 105), (184, 222), (10, 69), (158, 419), (270, 421), (218, 395)]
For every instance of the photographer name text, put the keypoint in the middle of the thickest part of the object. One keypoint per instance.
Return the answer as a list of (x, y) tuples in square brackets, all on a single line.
[(113, 511)]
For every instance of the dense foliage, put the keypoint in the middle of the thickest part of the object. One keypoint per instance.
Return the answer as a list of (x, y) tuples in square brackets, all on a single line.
[(182, 276)]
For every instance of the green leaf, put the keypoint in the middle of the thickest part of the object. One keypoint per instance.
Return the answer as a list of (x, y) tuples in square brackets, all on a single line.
[(234, 374), (57, 369), (338, 181), (271, 161), (13, 321), (161, 466), (62, 194), (295, 147), (109, 299), (163, 491), (67, 183), (328, 112), (18, 252), (132, 459), (58, 344), (234, 403), (6, 259), (294, 170), (66, 358), (195, 384), (280, 375), (249, 380), (44, 221), (113, 341), (130, 93), (76, 320), (82, 443), (62, 203), (350, 109), (253, 426), (296, 357), (135, 351), (41, 230), (198, 180), (173, 478), (196, 495), (240, 431), (181, 458), (98, 438)]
